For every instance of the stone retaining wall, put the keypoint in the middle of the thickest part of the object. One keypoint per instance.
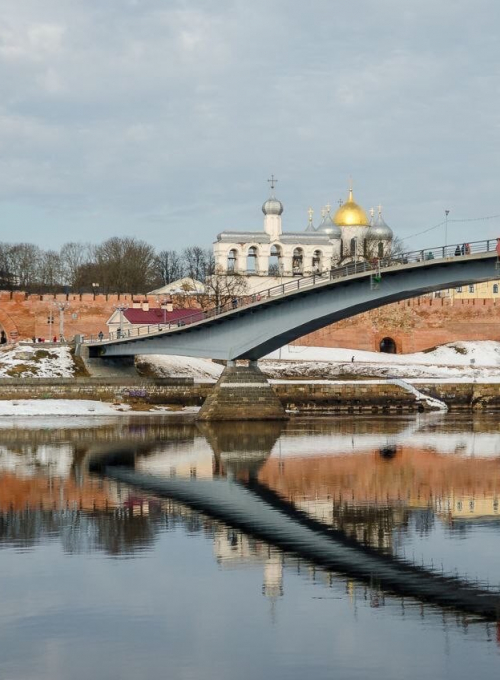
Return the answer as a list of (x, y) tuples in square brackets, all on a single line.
[(304, 397), (180, 391)]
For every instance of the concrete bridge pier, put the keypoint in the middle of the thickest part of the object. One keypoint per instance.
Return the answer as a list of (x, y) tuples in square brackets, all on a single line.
[(242, 393)]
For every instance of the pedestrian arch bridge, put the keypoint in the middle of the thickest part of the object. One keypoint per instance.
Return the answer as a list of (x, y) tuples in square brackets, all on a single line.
[(266, 321)]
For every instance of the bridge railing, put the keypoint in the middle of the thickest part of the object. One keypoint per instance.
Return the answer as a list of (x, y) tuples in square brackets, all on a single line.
[(375, 266)]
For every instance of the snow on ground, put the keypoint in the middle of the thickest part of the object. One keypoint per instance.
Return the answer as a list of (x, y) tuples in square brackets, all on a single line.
[(55, 407), (458, 360), (77, 407), (36, 361), (447, 362), (191, 367)]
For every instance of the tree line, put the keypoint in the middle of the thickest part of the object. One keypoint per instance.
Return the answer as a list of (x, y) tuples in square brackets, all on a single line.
[(118, 265)]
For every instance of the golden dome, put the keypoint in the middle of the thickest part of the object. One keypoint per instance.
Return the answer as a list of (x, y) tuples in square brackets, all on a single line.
[(350, 214)]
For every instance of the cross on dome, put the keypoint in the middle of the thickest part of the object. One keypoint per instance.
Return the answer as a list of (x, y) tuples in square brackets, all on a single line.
[(310, 212), (273, 181)]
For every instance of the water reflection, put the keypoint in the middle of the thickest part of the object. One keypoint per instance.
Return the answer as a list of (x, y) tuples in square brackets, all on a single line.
[(421, 489)]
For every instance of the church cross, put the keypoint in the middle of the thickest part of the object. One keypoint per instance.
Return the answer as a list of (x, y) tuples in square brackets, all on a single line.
[(273, 181), (310, 212), (379, 209), (328, 207), (340, 201)]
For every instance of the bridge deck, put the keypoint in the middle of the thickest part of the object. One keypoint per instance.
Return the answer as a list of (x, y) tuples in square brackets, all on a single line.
[(422, 270)]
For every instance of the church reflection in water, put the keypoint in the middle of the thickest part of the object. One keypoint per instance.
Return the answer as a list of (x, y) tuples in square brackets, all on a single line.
[(369, 479)]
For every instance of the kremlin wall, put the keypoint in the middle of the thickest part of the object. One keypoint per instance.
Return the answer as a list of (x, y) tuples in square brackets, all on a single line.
[(414, 325)]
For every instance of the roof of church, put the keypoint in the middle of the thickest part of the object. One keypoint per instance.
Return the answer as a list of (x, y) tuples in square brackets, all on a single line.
[(244, 236), (305, 237)]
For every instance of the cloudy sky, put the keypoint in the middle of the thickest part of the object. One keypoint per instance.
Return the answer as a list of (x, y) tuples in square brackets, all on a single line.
[(163, 119)]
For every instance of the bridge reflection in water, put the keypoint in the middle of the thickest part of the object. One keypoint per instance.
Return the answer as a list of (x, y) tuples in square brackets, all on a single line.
[(295, 488)]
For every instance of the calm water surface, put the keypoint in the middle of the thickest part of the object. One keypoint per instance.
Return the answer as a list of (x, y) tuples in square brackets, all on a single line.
[(101, 579)]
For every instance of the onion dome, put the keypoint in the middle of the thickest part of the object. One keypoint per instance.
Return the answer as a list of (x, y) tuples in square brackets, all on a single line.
[(272, 206), (350, 214), (328, 227), (379, 230)]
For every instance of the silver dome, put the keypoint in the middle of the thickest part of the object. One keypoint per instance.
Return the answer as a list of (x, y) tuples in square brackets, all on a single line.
[(272, 206), (329, 227), (380, 230)]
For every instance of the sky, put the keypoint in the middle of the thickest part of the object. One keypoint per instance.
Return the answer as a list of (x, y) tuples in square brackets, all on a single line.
[(163, 119)]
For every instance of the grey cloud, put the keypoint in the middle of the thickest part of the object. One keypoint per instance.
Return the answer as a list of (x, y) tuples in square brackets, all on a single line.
[(156, 111)]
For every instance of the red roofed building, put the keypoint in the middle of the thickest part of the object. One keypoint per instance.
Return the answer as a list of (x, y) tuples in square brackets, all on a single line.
[(141, 314)]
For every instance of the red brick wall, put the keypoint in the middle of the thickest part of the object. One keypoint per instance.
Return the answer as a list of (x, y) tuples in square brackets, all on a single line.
[(23, 316), (414, 325)]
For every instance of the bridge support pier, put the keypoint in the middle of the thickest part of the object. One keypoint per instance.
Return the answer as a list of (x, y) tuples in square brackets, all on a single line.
[(242, 393)]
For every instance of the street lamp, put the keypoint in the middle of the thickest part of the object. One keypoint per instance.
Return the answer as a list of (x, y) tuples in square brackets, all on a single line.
[(163, 305), (95, 288), (446, 213), (121, 309), (62, 307)]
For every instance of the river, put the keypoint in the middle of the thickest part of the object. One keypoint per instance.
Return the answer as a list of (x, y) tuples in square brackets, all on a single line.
[(103, 578)]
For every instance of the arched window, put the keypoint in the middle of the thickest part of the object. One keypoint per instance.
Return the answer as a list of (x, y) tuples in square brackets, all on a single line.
[(275, 261), (388, 346), (252, 260), (495, 287), (380, 250), (232, 258), (298, 262), (317, 261), (354, 247)]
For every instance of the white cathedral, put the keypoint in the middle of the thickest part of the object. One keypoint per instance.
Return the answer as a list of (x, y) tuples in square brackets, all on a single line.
[(348, 236)]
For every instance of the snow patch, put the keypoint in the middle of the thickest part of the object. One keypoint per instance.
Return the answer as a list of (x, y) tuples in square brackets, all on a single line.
[(36, 361)]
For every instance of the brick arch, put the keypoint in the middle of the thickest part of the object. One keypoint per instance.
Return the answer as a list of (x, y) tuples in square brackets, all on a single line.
[(8, 326)]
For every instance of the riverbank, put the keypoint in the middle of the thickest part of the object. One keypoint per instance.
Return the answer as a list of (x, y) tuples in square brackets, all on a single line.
[(297, 396)]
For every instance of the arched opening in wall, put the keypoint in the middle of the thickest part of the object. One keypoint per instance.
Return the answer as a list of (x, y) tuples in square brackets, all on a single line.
[(252, 260), (380, 250), (317, 261), (354, 247), (298, 262), (3, 336), (275, 261), (388, 346), (232, 259)]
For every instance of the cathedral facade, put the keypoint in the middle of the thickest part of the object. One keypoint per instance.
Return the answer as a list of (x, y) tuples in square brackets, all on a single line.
[(348, 236)]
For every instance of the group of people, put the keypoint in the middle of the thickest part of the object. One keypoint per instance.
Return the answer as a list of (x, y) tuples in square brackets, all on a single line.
[(464, 249)]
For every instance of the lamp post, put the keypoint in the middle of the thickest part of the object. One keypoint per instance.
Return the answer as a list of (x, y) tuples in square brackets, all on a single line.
[(95, 289), (446, 213), (62, 307), (120, 309), (163, 305), (50, 321)]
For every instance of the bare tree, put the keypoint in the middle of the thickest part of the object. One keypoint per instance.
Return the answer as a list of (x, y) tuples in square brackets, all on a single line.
[(168, 267), (25, 260), (73, 256), (124, 264), (50, 271), (221, 289), (196, 262)]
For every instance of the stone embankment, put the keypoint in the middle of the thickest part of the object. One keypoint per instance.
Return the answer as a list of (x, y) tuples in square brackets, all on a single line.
[(301, 396)]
